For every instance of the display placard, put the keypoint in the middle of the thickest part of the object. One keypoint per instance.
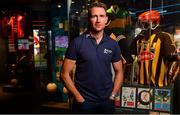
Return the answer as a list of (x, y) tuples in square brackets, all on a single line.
[(128, 97), (162, 99), (138, 98), (144, 98)]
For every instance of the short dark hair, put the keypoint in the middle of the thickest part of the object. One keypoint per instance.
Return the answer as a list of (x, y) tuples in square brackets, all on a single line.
[(97, 4)]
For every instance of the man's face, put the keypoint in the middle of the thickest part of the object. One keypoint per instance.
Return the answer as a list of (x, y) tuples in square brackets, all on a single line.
[(98, 19)]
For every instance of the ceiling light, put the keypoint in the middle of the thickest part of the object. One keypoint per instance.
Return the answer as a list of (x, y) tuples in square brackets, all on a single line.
[(59, 6)]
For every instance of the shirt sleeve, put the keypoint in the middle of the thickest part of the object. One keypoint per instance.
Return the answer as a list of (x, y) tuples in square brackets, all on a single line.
[(169, 46), (71, 52), (117, 53)]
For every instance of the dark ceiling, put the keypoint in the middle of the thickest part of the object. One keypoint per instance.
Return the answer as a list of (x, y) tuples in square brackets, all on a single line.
[(37, 9), (18, 4), (170, 9)]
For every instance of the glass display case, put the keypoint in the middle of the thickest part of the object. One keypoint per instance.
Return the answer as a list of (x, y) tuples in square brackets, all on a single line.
[(127, 26)]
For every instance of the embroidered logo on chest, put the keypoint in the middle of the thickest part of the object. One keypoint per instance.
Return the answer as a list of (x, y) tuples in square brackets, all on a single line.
[(107, 51)]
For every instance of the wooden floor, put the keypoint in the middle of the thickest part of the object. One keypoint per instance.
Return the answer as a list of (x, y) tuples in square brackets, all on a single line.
[(55, 107), (19, 101)]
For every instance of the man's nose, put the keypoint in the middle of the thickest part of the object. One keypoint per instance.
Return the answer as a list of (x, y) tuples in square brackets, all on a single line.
[(98, 19)]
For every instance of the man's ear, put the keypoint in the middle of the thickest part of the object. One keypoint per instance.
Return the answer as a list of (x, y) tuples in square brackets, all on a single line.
[(107, 21)]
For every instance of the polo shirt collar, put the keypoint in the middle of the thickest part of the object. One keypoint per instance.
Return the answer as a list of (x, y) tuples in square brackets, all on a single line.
[(105, 36)]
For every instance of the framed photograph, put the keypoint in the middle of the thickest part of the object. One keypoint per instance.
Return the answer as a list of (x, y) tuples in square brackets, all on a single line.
[(23, 44), (162, 99), (144, 98), (128, 97)]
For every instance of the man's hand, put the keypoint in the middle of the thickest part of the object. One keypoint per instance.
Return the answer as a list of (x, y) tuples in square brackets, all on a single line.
[(80, 99), (112, 97)]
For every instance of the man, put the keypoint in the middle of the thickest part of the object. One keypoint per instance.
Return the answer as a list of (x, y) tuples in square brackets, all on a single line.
[(92, 53)]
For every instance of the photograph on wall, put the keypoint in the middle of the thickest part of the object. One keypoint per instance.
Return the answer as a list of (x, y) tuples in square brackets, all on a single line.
[(23, 44), (162, 100), (144, 98), (128, 97), (61, 43), (40, 48)]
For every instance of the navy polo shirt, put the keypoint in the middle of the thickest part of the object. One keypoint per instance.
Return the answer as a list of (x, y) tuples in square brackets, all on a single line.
[(93, 76)]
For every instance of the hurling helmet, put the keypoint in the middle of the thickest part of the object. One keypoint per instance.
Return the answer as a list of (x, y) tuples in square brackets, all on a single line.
[(149, 19)]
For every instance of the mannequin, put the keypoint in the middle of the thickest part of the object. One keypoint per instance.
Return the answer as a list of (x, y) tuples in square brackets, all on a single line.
[(152, 48), (119, 22)]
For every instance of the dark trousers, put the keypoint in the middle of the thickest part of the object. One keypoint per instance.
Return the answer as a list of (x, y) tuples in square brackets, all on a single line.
[(105, 106)]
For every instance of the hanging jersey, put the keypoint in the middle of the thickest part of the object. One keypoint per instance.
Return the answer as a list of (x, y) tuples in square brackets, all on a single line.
[(119, 20), (152, 59)]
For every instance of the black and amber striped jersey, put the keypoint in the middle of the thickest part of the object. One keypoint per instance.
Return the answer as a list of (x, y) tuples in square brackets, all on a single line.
[(152, 58)]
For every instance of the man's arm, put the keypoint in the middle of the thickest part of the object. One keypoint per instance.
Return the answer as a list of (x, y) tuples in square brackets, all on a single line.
[(118, 79), (67, 68)]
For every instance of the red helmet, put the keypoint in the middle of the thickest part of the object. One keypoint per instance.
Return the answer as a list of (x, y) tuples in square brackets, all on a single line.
[(152, 17)]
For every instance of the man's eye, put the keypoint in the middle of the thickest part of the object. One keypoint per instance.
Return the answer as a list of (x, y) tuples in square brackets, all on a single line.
[(93, 16), (103, 16)]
